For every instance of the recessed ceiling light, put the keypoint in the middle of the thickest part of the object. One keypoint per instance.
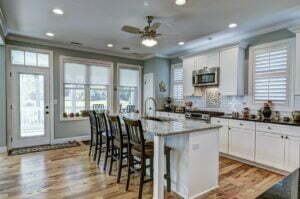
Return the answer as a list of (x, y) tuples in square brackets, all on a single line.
[(110, 45), (181, 43), (58, 11), (146, 3), (50, 34), (232, 25), (180, 2)]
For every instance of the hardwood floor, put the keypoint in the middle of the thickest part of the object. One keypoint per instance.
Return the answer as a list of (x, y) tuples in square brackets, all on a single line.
[(70, 174)]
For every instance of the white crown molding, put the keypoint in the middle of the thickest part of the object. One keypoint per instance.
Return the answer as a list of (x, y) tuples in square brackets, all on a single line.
[(156, 55), (58, 44), (226, 39)]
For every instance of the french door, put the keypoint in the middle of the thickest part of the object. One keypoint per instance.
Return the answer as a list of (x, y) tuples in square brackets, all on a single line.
[(30, 107)]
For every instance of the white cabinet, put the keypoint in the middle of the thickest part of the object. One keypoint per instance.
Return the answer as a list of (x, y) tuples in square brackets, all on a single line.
[(207, 60), (270, 149), (223, 133), (177, 116), (232, 71), (223, 139), (292, 153), (188, 68), (242, 143)]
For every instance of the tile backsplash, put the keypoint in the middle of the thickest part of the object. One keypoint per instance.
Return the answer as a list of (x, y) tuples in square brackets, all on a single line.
[(213, 100)]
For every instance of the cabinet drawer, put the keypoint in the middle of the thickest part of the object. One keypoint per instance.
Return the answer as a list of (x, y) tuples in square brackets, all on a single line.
[(279, 129), (242, 124), (219, 121)]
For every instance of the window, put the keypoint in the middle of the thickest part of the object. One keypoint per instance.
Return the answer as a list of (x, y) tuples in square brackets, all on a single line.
[(270, 73), (85, 85), (28, 58), (177, 82), (129, 88)]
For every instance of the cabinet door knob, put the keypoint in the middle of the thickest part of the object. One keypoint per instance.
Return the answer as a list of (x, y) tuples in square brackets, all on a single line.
[(269, 128), (241, 124), (282, 137), (286, 137)]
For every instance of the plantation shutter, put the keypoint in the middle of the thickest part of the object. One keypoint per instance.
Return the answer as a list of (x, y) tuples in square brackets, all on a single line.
[(178, 83), (270, 76)]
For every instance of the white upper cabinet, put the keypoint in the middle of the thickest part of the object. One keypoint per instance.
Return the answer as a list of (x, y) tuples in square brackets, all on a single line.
[(188, 68), (232, 66), (207, 60)]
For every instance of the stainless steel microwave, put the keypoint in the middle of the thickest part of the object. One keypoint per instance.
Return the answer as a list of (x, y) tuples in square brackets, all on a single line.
[(206, 77)]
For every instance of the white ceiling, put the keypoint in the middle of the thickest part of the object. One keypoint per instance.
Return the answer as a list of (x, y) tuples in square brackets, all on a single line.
[(94, 23)]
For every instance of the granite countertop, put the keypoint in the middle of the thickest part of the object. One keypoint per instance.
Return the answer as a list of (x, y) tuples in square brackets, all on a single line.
[(263, 121), (172, 127), (287, 188)]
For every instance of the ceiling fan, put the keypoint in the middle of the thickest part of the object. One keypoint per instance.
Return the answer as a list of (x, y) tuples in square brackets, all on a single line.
[(148, 35)]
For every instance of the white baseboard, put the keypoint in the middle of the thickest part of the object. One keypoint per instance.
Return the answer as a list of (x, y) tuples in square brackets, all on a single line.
[(65, 140), (3, 149), (205, 192)]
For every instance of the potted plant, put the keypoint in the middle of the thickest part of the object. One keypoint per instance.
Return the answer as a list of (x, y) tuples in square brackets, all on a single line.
[(71, 115)]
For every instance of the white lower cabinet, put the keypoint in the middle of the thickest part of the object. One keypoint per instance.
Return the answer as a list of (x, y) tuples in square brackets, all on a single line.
[(223, 139), (270, 149), (292, 153), (242, 143)]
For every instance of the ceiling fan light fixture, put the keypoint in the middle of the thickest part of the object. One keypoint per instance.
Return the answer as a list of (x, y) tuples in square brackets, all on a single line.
[(180, 2), (149, 41)]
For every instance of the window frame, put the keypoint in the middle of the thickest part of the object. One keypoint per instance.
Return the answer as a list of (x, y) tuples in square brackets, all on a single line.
[(85, 61), (173, 67), (290, 43), (134, 67)]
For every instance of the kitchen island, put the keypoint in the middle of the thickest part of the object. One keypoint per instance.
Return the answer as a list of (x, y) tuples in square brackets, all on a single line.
[(194, 155)]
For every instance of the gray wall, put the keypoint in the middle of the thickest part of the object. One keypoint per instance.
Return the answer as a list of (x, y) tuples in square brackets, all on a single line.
[(65, 129), (160, 67), (2, 98)]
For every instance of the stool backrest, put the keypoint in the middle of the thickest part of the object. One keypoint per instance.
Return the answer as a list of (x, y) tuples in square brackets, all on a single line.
[(135, 132), (102, 123), (93, 122), (115, 127)]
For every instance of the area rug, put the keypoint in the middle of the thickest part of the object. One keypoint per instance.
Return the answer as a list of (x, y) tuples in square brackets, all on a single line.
[(86, 142), (41, 148)]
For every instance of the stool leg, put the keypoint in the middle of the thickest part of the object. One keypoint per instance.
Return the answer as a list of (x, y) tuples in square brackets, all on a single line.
[(168, 171), (112, 156), (91, 143), (106, 152), (120, 164), (129, 162), (143, 168), (96, 146), (151, 167), (100, 149)]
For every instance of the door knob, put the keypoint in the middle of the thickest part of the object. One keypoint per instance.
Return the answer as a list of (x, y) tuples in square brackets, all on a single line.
[(47, 112)]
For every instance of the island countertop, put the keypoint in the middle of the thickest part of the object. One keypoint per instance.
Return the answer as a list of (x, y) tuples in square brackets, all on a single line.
[(172, 127)]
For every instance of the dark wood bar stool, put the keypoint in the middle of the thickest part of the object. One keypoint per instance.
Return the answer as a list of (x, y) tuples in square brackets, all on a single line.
[(105, 137), (139, 148), (119, 143)]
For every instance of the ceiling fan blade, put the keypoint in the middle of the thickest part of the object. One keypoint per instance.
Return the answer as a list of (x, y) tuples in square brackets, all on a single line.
[(131, 29), (155, 26)]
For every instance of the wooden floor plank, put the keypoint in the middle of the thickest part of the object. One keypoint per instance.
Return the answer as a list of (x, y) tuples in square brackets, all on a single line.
[(71, 174)]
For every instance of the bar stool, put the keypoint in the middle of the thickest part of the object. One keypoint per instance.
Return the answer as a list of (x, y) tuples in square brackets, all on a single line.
[(139, 148), (119, 144), (105, 136), (94, 133)]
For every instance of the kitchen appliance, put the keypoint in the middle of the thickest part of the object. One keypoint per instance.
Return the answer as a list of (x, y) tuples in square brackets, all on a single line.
[(206, 77), (202, 115), (296, 116)]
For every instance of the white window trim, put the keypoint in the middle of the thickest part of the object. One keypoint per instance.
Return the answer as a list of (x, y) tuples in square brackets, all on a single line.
[(173, 66), (8, 64), (62, 60), (122, 65), (291, 67)]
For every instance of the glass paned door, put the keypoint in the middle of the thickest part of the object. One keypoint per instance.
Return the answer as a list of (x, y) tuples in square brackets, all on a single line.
[(31, 113), (32, 105)]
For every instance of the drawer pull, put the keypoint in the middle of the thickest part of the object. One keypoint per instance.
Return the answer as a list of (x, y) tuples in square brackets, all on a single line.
[(241, 124), (269, 128), (286, 137), (282, 137)]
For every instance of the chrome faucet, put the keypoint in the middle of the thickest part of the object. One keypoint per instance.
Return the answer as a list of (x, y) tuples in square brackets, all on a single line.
[(150, 108)]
